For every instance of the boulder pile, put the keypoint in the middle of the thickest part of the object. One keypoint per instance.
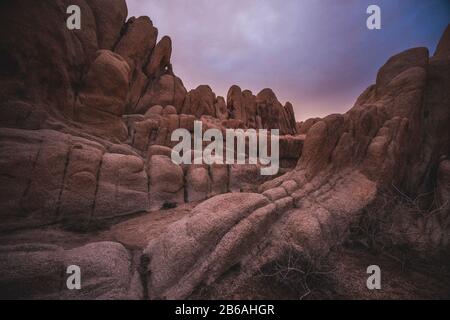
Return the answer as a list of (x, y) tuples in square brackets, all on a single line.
[(86, 118)]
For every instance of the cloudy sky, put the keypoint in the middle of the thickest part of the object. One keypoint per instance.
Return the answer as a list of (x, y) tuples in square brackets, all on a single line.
[(319, 55)]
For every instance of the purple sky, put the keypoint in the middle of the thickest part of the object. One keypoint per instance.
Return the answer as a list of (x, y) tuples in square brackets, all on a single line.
[(319, 55)]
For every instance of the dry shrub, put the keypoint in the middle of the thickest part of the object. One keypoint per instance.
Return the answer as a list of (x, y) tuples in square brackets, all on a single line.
[(306, 274), (403, 227)]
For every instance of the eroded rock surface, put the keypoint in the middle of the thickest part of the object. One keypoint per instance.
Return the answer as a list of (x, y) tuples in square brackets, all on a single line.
[(86, 139), (38, 271), (346, 160)]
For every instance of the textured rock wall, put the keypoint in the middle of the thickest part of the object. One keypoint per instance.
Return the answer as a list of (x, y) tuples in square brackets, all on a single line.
[(385, 140), (101, 101), (86, 118)]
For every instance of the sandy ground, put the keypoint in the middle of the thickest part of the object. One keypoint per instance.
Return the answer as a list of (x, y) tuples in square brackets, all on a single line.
[(133, 233), (347, 281)]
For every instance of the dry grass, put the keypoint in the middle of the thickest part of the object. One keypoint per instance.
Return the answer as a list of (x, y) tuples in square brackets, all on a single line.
[(305, 274)]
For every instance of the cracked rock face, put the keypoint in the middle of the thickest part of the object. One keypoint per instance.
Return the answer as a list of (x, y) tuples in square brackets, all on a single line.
[(85, 140), (346, 159), (252, 230), (37, 271)]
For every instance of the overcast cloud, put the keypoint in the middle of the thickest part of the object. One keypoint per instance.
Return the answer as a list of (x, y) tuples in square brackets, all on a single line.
[(319, 55)]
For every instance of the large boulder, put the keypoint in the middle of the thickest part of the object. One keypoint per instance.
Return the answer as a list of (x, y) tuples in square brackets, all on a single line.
[(122, 187), (387, 139), (200, 102), (244, 177), (166, 182), (273, 114), (32, 176), (197, 183), (136, 45), (35, 37), (105, 86), (188, 244), (219, 179), (160, 59), (38, 271), (139, 82), (236, 235), (49, 177), (137, 42), (221, 109), (235, 104), (142, 131), (416, 57), (155, 110), (169, 110), (78, 196), (23, 115), (110, 16), (290, 150), (304, 126), (166, 90), (242, 106), (103, 96), (156, 150)]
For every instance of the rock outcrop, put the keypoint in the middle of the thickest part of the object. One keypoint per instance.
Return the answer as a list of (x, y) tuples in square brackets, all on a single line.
[(263, 111), (138, 41), (273, 114), (102, 99), (382, 141), (37, 271), (75, 72), (200, 102), (86, 120)]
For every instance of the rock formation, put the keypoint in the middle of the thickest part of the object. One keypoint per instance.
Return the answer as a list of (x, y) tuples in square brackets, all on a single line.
[(42, 268), (85, 123), (383, 140)]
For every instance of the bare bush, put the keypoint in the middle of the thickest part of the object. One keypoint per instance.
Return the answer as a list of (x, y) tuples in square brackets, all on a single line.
[(400, 226), (303, 273)]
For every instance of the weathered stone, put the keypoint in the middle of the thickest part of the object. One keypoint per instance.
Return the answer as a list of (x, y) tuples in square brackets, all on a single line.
[(37, 271), (200, 102), (154, 110), (122, 187), (160, 59), (221, 108), (34, 37), (272, 113), (243, 177), (80, 185), (156, 150), (188, 242), (167, 90), (138, 41), (166, 182), (198, 183), (168, 110), (219, 179), (109, 73), (110, 17), (34, 166)]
